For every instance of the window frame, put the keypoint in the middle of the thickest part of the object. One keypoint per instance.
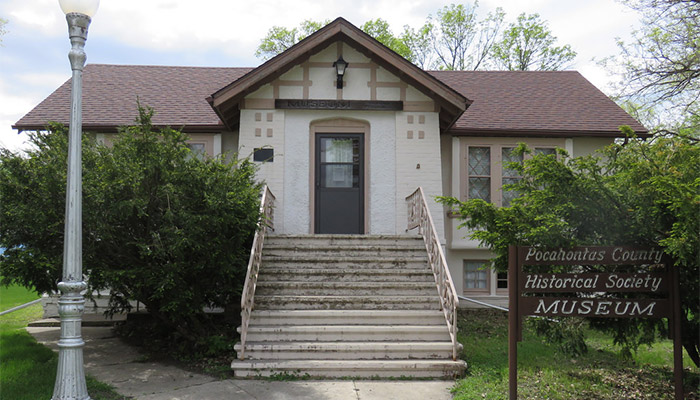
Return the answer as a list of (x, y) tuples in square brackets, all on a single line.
[(501, 291), (485, 269), (496, 145), (206, 139)]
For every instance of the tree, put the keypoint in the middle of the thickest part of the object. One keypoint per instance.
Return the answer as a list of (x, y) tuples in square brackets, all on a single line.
[(160, 226), (644, 193), (279, 38), (455, 39), (420, 45), (528, 44), (459, 40), (379, 29), (661, 65), (3, 31)]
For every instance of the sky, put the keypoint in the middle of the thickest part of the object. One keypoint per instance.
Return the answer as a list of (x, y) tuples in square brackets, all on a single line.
[(225, 33)]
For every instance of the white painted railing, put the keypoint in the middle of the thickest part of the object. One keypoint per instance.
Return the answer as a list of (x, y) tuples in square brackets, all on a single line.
[(267, 204), (419, 217)]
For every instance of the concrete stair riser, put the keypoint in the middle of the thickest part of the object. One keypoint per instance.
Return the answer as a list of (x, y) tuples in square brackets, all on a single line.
[(347, 350), (351, 368), (347, 317), (324, 288), (344, 240), (301, 302), (345, 251), (344, 263), (348, 333), (338, 275)]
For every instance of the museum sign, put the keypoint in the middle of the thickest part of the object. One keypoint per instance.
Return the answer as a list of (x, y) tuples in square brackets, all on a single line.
[(592, 281)]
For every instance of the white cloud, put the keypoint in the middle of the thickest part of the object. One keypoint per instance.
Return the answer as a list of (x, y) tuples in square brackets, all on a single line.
[(44, 16)]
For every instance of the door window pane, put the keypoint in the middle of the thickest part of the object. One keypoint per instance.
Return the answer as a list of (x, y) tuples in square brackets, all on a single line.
[(338, 176), (338, 150)]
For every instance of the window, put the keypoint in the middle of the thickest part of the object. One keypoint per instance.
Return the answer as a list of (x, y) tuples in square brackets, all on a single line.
[(476, 276), (548, 151), (480, 173), (198, 150), (501, 281), (484, 166), (509, 176), (201, 145)]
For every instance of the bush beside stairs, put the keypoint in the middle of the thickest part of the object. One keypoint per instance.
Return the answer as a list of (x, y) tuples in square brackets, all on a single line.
[(347, 306)]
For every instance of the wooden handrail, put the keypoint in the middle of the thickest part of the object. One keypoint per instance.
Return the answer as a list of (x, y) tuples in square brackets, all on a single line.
[(419, 217), (267, 204)]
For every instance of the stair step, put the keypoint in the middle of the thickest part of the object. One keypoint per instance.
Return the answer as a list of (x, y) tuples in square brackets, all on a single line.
[(346, 350), (347, 306), (347, 317), (301, 302), (348, 333), (446, 369), (340, 258), (344, 251), (344, 240), (350, 263), (326, 288), (268, 273)]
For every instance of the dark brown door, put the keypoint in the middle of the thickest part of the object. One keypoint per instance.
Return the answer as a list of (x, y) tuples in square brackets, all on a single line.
[(339, 179)]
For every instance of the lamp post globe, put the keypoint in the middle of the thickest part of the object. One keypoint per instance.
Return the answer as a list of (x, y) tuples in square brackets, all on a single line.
[(70, 374), (85, 7)]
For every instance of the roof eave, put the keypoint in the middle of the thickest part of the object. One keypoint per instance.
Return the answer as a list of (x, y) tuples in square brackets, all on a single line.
[(112, 128), (558, 133)]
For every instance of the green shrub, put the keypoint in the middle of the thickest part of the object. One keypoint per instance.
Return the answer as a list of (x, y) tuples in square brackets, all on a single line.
[(160, 226)]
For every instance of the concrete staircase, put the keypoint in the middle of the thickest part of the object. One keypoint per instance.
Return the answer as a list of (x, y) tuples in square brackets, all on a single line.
[(347, 306)]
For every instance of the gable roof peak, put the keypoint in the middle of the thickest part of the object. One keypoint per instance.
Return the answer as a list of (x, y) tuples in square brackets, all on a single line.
[(226, 100)]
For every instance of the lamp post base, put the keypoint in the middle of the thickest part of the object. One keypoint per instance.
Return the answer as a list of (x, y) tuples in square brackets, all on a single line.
[(70, 376)]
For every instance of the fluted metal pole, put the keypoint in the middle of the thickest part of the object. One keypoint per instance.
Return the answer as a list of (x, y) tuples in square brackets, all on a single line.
[(70, 376)]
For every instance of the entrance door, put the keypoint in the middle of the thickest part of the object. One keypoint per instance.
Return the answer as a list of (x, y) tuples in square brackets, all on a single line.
[(339, 176)]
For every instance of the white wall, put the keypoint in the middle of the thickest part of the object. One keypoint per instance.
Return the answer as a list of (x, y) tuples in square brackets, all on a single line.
[(403, 149), (379, 160)]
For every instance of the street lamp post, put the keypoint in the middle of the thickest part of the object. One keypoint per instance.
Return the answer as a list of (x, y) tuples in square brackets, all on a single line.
[(70, 376)]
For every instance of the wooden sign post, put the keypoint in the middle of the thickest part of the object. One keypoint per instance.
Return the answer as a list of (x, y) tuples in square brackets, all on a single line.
[(592, 294)]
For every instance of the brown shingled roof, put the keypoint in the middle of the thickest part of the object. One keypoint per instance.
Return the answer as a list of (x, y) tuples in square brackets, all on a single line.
[(559, 103), (177, 94)]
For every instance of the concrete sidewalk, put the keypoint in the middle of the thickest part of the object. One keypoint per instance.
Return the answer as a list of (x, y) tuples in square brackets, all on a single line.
[(110, 360)]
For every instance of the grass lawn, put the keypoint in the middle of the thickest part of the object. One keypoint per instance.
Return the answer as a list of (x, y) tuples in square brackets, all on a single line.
[(545, 373), (28, 369), (14, 296)]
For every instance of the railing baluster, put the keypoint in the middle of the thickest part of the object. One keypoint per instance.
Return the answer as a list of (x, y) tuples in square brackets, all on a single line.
[(419, 217), (267, 204)]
